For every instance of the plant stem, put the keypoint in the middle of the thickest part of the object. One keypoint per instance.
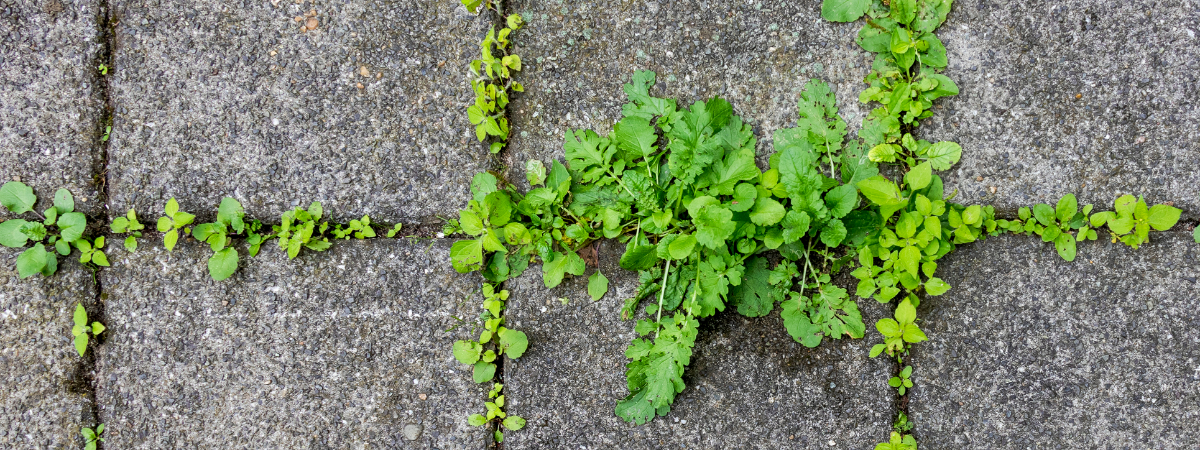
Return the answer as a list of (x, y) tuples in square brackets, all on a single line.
[(662, 293)]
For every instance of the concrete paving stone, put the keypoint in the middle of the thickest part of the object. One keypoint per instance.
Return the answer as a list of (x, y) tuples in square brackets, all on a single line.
[(50, 126), (41, 393), (749, 384), (757, 55), (1085, 96), (216, 99), (344, 349), (1029, 351)]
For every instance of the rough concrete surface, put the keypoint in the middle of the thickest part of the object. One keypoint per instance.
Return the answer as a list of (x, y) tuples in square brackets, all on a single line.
[(1088, 97), (757, 55), (216, 99), (41, 401), (343, 349), (50, 104), (1029, 351), (749, 384)]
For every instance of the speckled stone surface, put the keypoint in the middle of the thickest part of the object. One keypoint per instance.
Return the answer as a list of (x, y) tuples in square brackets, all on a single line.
[(50, 101), (757, 55), (1088, 97), (342, 349), (1029, 351), (216, 99), (749, 384), (41, 386)]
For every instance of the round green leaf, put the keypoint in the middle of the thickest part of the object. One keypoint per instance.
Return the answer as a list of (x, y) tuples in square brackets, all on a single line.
[(17, 197), (483, 372), (513, 342), (222, 264), (597, 285), (514, 423)]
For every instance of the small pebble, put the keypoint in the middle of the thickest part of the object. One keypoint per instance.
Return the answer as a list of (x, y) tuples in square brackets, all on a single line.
[(412, 431), (422, 396), (362, 70), (312, 23)]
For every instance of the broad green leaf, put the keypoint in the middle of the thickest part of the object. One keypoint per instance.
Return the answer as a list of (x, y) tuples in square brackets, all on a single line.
[(514, 423), (919, 176), (795, 226), (170, 238), (597, 285), (833, 233), (477, 420), (131, 244), (481, 185), (943, 155), (223, 263), (737, 166), (1065, 244), (905, 312), (743, 197), (682, 247), (467, 255), (100, 259), (880, 191), (467, 352), (1044, 214), (17, 197), (641, 104), (1163, 217), (903, 11), (935, 286), (33, 261), (768, 212), (639, 257), (513, 342), (11, 235), (63, 201), (1196, 235), (841, 200), (230, 213), (755, 296), (71, 226), (910, 260), (844, 10), (554, 270), (81, 342), (1066, 208), (483, 372)]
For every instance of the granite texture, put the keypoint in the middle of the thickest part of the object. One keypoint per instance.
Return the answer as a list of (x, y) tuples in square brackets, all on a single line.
[(1029, 351), (365, 113), (343, 349), (749, 384), (43, 381), (1085, 96), (50, 99)]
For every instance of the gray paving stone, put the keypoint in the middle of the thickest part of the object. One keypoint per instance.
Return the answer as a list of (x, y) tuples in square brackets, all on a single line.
[(50, 102), (216, 99), (1029, 351), (343, 349), (757, 55), (1086, 96), (41, 401), (749, 384)]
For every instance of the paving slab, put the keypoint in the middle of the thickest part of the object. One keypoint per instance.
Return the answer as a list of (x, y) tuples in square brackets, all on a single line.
[(50, 126), (1085, 96), (365, 113), (42, 402), (757, 55), (1029, 351), (343, 349), (749, 384)]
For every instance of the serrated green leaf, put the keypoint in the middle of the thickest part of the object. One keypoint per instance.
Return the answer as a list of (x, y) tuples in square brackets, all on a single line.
[(467, 352), (713, 226), (635, 137), (223, 264), (513, 342), (482, 184), (554, 270), (841, 200), (833, 233), (943, 155), (467, 255), (905, 313), (535, 172), (755, 296)]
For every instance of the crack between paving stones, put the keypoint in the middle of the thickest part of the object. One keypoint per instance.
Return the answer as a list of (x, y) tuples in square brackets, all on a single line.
[(83, 381)]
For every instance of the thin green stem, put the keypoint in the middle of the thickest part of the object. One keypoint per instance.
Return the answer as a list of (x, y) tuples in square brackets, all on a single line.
[(662, 294)]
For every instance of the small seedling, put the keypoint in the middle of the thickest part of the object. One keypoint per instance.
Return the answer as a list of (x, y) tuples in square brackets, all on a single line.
[(901, 381), (493, 80), (495, 410), (174, 221), (92, 436), (902, 424), (1132, 219), (68, 227), (107, 131), (396, 229), (299, 229), (224, 261), (900, 332), (907, 442), (90, 252), (128, 224), (103, 68), (360, 229), (81, 329)]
